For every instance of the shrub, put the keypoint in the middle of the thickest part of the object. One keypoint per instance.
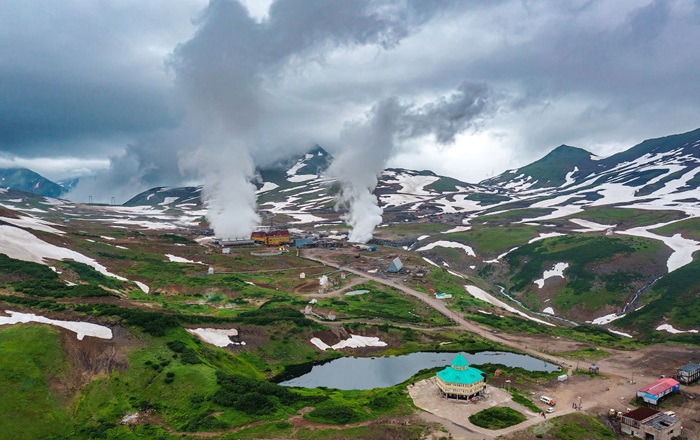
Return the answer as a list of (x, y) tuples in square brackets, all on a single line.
[(497, 418), (337, 414)]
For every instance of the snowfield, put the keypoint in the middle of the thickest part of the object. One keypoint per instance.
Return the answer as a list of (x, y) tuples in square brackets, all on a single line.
[(22, 245), (448, 244), (81, 329), (33, 223)]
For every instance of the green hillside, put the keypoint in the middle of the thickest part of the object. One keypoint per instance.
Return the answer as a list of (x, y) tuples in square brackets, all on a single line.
[(674, 299)]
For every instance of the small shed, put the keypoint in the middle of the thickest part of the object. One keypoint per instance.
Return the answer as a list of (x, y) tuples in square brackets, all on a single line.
[(331, 316), (395, 266), (308, 309), (689, 373), (594, 369), (303, 242)]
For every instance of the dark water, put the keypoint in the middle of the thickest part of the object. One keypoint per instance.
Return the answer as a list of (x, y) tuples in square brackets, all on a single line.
[(366, 373)]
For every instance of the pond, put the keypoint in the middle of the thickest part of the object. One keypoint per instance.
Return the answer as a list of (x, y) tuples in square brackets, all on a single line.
[(366, 373)]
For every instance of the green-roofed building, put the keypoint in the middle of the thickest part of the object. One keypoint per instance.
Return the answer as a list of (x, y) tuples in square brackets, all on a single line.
[(460, 381)]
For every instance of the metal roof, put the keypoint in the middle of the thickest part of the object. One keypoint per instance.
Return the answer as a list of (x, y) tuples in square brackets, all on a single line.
[(467, 377), (640, 414), (660, 386), (690, 367), (661, 422)]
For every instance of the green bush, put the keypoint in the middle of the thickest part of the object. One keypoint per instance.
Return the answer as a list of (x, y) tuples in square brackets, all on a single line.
[(497, 418), (56, 289), (337, 415), (15, 270)]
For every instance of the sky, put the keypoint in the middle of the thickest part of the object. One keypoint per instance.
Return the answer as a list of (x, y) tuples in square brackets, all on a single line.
[(145, 94)]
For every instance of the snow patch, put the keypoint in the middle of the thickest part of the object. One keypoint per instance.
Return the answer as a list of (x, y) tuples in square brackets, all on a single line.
[(143, 287), (81, 329), (22, 245), (354, 341), (168, 200), (458, 229), (216, 336), (626, 335), (548, 310), (448, 244), (606, 319), (556, 271), (484, 296), (544, 235), (669, 328), (267, 186), (683, 248), (176, 259)]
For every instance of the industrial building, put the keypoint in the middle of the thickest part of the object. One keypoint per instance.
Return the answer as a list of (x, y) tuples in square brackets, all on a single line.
[(655, 391), (689, 373), (460, 381), (650, 424), (271, 238)]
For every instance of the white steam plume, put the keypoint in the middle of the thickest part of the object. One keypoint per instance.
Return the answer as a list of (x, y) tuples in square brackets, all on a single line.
[(222, 71), (367, 146)]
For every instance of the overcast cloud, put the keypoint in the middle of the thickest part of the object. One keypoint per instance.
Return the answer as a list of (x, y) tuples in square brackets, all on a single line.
[(83, 83)]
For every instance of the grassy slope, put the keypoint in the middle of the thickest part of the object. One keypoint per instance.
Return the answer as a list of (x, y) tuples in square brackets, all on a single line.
[(626, 218), (584, 286), (689, 228), (488, 241), (31, 359), (675, 299)]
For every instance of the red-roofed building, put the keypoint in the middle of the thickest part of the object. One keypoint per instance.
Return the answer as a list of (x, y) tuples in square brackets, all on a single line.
[(653, 392)]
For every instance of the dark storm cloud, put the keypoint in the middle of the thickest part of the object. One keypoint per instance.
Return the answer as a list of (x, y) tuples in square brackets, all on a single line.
[(448, 116), (81, 70), (38, 110), (84, 78)]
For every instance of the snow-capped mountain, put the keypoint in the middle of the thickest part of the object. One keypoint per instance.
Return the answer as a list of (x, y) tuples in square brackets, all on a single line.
[(571, 235), (654, 168), (23, 179)]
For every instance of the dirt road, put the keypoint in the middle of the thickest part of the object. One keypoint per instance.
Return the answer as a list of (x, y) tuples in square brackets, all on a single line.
[(505, 340)]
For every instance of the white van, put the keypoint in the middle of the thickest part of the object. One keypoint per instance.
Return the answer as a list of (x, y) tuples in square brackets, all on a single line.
[(548, 400)]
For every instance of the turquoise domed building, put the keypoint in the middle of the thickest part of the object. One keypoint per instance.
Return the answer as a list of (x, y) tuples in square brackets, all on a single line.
[(460, 381)]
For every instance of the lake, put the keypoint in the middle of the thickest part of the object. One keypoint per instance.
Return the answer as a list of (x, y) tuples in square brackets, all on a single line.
[(366, 373)]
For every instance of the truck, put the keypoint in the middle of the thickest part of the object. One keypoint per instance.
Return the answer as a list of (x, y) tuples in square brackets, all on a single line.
[(548, 400)]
